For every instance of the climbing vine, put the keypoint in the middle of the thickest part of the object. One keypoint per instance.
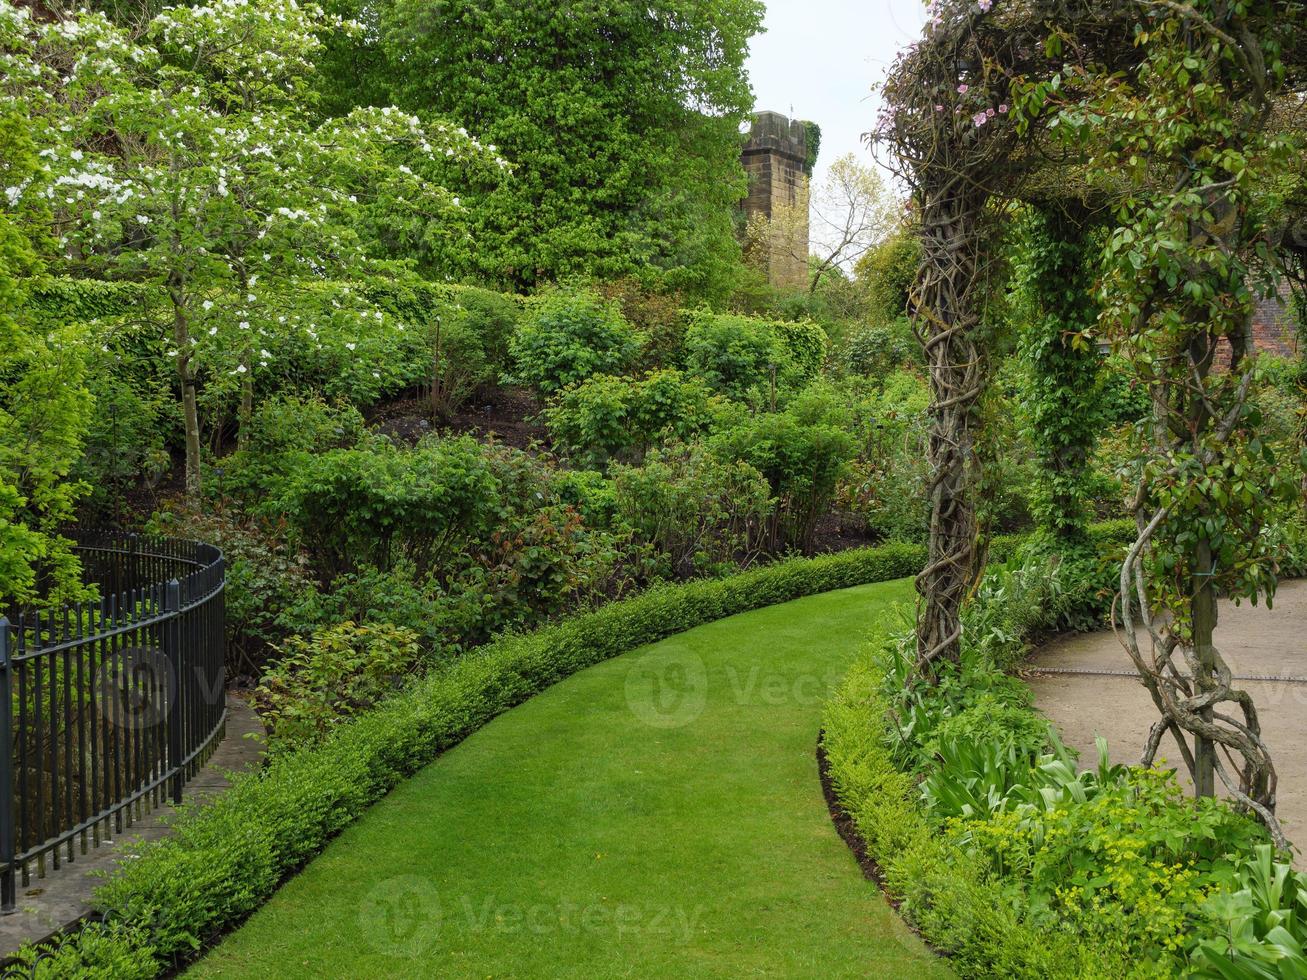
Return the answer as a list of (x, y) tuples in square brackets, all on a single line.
[(1187, 132), (1055, 283)]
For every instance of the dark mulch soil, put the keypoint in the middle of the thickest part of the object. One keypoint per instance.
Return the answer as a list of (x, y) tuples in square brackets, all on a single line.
[(839, 532), (509, 414)]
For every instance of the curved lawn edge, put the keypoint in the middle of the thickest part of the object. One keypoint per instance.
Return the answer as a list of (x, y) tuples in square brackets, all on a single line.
[(947, 896), (177, 895)]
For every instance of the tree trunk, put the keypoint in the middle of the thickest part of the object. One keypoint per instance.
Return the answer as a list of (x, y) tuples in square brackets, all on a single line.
[(1204, 620), (190, 412)]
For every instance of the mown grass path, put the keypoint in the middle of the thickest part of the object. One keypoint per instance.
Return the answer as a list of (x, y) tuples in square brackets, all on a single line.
[(658, 815)]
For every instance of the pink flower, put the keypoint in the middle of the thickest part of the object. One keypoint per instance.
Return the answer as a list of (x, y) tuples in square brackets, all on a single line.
[(980, 119), (939, 108), (984, 5), (1003, 107), (989, 113), (963, 88)]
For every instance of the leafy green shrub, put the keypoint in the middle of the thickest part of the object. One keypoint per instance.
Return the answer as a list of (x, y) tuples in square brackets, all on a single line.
[(1261, 924), (335, 674), (125, 443), (736, 355), (460, 364), (568, 335), (224, 859), (1005, 855), (606, 418), (993, 720), (266, 577), (370, 596), (880, 349), (1127, 866), (805, 344), (701, 515), (379, 504), (282, 431), (802, 464), (888, 270)]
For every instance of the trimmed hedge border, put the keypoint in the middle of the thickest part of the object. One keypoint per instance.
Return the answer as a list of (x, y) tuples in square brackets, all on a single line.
[(227, 857), (949, 897)]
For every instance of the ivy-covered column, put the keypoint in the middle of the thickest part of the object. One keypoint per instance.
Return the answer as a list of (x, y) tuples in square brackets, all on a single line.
[(1055, 278)]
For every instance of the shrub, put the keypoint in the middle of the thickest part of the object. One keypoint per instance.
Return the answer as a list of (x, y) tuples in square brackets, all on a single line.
[(266, 576), (606, 418), (460, 364), (702, 515), (336, 673), (379, 504), (568, 335), (736, 355), (281, 432), (1261, 925), (225, 858), (802, 465), (880, 349), (125, 443), (1012, 861), (805, 344)]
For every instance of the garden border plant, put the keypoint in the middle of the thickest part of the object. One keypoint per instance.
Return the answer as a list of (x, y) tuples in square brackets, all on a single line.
[(226, 858), (1231, 908)]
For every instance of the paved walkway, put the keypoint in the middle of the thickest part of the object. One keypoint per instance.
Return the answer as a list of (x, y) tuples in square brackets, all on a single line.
[(62, 896), (1254, 641)]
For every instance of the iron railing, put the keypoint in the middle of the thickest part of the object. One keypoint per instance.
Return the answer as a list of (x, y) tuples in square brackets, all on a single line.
[(108, 707)]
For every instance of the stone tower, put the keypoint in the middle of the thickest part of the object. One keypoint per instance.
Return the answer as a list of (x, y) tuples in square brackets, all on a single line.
[(775, 158)]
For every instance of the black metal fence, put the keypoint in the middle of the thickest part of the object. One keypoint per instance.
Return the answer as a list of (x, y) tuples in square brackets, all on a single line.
[(108, 707)]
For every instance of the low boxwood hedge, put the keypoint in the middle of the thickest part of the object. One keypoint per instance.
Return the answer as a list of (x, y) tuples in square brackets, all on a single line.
[(951, 898), (227, 857)]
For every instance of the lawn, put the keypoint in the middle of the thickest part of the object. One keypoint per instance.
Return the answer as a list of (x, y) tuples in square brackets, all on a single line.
[(658, 815)]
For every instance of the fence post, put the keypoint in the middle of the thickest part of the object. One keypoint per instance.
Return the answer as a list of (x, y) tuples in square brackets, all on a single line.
[(8, 884), (172, 648)]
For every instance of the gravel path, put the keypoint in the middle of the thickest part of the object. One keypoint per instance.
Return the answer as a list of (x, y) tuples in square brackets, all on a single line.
[(1255, 641)]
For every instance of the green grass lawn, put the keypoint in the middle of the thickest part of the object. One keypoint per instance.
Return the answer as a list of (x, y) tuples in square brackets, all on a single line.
[(658, 815)]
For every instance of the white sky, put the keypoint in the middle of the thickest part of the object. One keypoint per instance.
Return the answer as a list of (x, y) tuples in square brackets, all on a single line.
[(819, 59)]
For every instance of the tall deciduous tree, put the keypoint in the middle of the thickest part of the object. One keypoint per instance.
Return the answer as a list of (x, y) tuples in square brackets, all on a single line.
[(621, 118), (191, 163)]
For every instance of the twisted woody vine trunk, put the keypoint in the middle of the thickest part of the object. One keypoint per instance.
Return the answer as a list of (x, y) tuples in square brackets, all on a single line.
[(946, 316), (1184, 268)]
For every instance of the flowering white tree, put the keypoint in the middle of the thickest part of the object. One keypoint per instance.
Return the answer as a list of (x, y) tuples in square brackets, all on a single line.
[(190, 162)]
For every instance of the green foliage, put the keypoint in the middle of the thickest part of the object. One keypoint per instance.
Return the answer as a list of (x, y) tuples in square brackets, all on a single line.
[(1262, 926), (877, 350), (568, 335), (621, 122), (378, 504), (266, 576), (606, 418), (802, 463), (812, 143), (322, 680), (998, 848), (702, 515), (806, 345), (226, 857), (888, 271), (737, 355), (1060, 397), (281, 431)]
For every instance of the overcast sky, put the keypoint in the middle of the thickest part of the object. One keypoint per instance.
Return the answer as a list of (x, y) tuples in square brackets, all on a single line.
[(819, 59)]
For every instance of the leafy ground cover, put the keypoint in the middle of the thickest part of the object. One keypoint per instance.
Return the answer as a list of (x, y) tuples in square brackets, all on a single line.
[(656, 815)]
